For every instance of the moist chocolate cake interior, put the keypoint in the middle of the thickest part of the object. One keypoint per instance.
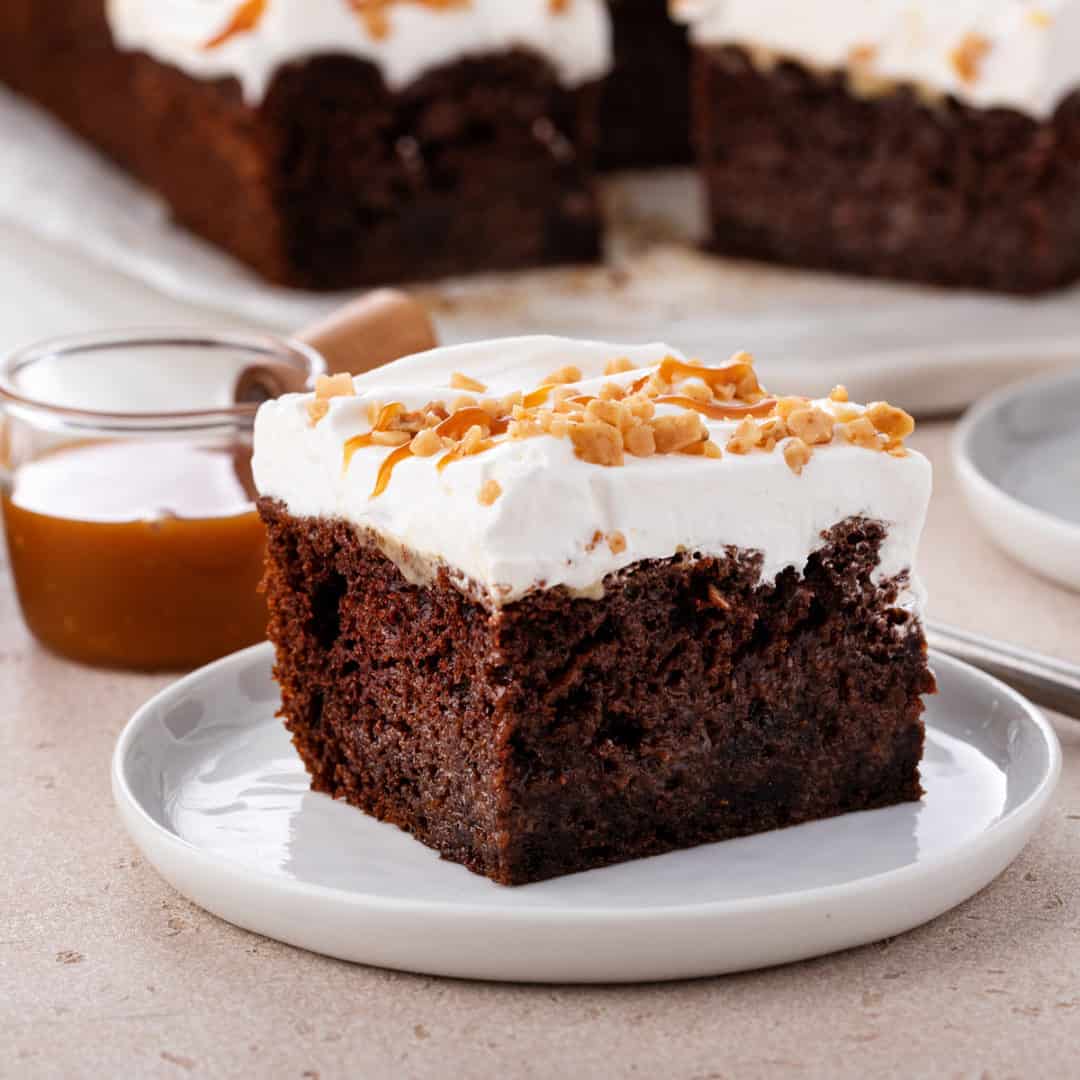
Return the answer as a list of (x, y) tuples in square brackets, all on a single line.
[(689, 704), (800, 170)]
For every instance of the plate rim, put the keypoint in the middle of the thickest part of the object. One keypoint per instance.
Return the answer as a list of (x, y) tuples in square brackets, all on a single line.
[(973, 475), (138, 821)]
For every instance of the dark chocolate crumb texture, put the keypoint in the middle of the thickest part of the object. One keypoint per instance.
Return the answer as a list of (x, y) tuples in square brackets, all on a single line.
[(550, 605), (921, 140), (335, 143)]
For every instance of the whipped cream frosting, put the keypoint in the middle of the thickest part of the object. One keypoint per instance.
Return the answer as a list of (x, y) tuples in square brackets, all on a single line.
[(575, 36), (540, 532), (1020, 54)]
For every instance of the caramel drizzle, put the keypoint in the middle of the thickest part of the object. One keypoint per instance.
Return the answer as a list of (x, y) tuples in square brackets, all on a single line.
[(467, 418), (671, 368), (386, 470), (387, 415), (720, 412), (376, 17), (374, 14), (244, 19), (537, 397), (453, 427)]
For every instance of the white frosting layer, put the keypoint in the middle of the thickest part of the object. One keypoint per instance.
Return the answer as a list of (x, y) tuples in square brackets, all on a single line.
[(538, 532), (576, 40), (1032, 62)]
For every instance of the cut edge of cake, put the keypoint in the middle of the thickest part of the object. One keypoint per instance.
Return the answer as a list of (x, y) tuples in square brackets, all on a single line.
[(677, 698)]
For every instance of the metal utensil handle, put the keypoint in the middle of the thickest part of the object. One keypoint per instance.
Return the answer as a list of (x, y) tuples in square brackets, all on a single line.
[(1052, 683)]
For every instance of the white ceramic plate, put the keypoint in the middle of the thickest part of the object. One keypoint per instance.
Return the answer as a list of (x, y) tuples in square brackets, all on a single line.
[(212, 792), (1017, 455)]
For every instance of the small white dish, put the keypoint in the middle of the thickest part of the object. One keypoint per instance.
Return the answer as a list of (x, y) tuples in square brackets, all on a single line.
[(211, 790), (1017, 456)]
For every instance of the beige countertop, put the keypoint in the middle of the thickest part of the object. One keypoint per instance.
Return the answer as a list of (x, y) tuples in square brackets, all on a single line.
[(105, 971)]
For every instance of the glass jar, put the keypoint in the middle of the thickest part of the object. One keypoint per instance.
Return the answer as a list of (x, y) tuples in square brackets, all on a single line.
[(129, 506)]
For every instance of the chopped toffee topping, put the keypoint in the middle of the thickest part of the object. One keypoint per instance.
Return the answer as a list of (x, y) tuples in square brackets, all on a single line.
[(374, 14), (244, 19), (621, 420), (327, 387), (463, 382), (968, 56)]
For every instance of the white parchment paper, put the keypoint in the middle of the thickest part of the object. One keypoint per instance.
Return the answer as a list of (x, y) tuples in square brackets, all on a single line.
[(932, 350)]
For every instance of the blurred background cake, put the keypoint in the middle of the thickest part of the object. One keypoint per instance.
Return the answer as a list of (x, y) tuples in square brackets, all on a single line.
[(933, 141), (332, 143)]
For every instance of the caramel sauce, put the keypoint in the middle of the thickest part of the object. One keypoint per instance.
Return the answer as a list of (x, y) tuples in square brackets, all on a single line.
[(143, 555), (454, 427), (537, 397), (386, 470), (733, 372), (244, 19), (387, 415), (722, 411), (377, 18), (458, 424), (450, 457)]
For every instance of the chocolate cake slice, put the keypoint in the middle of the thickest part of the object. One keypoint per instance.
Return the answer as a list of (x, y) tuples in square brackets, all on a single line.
[(929, 141), (337, 143), (550, 605)]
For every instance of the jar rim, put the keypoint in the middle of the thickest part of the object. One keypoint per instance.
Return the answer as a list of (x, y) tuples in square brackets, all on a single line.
[(268, 346)]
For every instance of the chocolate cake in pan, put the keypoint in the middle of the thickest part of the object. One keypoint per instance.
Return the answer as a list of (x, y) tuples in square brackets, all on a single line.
[(337, 143), (912, 139)]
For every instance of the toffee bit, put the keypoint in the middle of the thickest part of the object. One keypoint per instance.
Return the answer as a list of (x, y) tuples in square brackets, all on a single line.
[(813, 425), (567, 374), (895, 424), (861, 432), (797, 455), (426, 444), (640, 441), (390, 438), (244, 19), (745, 438), (328, 387), (609, 412), (616, 542), (489, 492), (597, 443), (458, 381), (968, 56), (619, 365), (675, 433), (376, 16)]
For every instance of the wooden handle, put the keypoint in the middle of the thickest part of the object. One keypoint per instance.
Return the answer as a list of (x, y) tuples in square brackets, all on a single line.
[(370, 331), (366, 333)]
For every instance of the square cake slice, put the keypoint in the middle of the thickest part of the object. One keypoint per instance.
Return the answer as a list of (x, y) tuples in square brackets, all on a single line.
[(334, 143), (928, 140), (550, 605)]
